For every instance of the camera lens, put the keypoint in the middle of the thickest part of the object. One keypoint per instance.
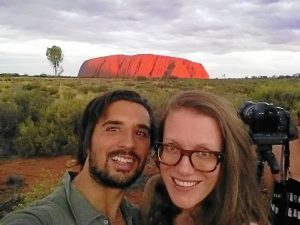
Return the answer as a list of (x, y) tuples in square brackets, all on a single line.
[(246, 111)]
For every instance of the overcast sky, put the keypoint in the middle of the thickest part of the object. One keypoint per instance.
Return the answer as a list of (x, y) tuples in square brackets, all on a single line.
[(237, 38)]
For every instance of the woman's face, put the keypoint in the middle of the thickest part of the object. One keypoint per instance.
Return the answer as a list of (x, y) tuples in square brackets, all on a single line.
[(190, 130)]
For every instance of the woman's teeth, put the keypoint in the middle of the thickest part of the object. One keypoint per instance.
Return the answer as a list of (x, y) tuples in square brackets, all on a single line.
[(185, 183)]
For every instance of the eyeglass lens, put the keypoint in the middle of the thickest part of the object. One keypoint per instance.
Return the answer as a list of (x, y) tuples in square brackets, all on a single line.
[(200, 160)]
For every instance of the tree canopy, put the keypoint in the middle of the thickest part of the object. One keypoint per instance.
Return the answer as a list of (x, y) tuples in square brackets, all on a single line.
[(55, 56)]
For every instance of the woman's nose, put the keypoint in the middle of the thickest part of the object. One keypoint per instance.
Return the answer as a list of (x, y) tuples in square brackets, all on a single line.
[(185, 166)]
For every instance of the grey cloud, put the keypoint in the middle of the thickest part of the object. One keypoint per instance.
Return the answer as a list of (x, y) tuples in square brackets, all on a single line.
[(172, 26)]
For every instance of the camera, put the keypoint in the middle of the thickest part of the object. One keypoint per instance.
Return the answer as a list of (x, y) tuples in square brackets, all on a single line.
[(269, 125)]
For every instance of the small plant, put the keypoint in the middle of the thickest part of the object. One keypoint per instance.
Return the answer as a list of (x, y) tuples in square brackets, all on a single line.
[(15, 181)]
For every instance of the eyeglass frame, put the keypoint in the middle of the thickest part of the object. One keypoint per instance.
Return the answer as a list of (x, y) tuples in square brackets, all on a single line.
[(188, 153)]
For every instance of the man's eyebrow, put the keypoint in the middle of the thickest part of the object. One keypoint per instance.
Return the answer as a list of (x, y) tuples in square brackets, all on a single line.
[(111, 122), (144, 126)]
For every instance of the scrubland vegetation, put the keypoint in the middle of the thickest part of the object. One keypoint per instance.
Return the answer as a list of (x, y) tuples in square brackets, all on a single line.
[(38, 114)]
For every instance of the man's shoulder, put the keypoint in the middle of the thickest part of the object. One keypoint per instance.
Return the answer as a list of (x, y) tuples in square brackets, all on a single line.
[(54, 207), (21, 217), (36, 214)]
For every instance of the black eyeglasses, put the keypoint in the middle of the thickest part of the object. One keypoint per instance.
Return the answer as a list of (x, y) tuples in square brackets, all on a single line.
[(201, 160)]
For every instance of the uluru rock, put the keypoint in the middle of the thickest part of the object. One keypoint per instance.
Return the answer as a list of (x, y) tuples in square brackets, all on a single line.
[(142, 65)]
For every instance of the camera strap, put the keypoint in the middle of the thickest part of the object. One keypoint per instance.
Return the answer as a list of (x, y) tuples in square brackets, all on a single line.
[(285, 161)]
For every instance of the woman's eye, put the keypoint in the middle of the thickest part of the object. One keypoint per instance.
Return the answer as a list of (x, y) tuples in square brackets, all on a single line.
[(171, 148), (203, 154)]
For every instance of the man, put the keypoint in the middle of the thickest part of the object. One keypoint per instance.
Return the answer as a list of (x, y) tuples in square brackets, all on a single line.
[(115, 133)]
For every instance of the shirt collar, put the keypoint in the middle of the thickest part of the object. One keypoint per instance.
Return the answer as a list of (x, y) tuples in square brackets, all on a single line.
[(83, 211)]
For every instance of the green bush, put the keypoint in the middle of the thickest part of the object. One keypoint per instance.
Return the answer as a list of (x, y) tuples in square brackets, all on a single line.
[(53, 133), (10, 116), (42, 112)]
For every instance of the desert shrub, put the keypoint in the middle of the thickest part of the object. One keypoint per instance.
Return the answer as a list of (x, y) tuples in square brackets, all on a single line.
[(14, 181), (53, 133), (9, 116), (9, 120), (68, 94), (98, 89), (83, 90), (50, 90), (93, 89), (34, 138), (158, 97), (45, 110), (29, 102), (26, 142), (31, 85), (281, 95)]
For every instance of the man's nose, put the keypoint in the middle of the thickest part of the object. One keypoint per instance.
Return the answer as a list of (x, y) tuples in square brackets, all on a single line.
[(127, 140)]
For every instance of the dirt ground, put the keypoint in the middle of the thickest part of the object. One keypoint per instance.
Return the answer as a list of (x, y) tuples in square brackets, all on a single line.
[(35, 169), (32, 169)]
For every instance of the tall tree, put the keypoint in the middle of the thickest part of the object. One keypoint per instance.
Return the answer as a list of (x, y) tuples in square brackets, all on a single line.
[(55, 56)]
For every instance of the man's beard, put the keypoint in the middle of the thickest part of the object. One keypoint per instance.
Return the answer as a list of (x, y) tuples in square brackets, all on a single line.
[(103, 177)]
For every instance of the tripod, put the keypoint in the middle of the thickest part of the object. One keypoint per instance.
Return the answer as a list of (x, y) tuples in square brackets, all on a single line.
[(266, 155), (284, 203)]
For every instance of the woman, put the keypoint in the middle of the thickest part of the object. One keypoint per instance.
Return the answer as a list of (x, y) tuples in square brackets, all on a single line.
[(207, 166)]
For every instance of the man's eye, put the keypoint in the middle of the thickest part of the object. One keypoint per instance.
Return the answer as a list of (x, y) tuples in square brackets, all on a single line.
[(112, 129), (142, 133)]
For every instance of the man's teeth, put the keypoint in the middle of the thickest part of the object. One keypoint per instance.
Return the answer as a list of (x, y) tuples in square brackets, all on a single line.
[(185, 183), (122, 160)]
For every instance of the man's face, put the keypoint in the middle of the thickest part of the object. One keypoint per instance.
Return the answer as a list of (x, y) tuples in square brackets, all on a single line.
[(120, 144)]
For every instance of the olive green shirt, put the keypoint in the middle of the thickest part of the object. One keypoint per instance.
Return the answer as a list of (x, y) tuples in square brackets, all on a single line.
[(67, 206)]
